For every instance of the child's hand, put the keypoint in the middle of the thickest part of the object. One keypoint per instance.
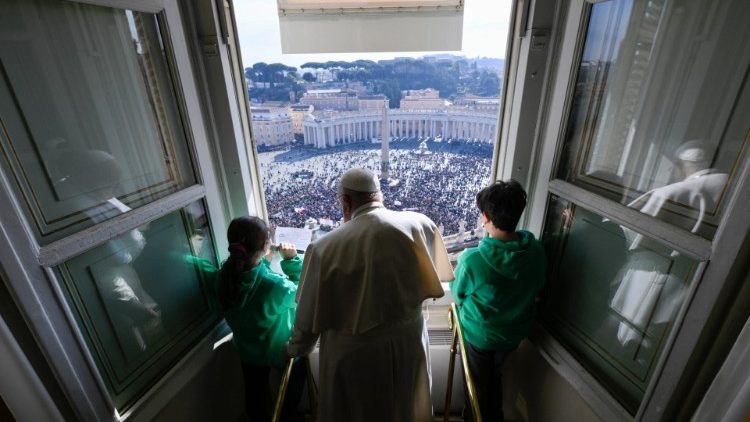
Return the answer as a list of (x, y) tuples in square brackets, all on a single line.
[(287, 250)]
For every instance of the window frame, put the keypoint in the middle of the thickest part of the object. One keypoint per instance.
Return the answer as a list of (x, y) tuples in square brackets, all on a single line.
[(500, 153), (219, 70), (30, 265), (709, 284)]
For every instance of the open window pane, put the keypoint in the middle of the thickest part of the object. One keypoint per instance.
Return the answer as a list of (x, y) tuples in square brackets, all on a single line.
[(89, 120), (613, 296), (425, 123), (658, 118), (141, 298)]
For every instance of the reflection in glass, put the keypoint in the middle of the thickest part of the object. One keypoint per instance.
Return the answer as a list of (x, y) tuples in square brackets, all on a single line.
[(655, 121), (89, 121), (613, 296), (141, 298)]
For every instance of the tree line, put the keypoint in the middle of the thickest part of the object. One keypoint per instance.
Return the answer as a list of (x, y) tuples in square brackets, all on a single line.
[(452, 77)]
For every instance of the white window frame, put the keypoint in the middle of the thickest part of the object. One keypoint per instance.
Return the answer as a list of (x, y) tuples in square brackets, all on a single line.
[(529, 61), (223, 87), (29, 265), (710, 283), (27, 386)]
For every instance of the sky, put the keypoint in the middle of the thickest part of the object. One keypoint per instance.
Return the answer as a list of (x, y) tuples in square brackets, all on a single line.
[(485, 29)]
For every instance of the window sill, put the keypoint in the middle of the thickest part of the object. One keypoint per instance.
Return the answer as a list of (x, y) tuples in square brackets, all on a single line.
[(591, 391)]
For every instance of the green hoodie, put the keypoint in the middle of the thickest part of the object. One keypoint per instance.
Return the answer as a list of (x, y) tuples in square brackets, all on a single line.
[(496, 286), (262, 321)]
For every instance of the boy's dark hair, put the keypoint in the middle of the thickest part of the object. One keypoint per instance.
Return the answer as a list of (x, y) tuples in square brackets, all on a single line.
[(503, 202)]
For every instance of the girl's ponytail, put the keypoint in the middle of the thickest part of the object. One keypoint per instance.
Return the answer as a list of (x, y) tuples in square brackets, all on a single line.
[(247, 238)]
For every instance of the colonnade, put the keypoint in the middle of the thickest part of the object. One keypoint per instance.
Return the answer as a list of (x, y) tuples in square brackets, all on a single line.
[(346, 127), (341, 131), (446, 128)]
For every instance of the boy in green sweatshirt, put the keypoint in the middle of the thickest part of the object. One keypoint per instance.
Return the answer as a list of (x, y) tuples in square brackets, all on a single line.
[(496, 286)]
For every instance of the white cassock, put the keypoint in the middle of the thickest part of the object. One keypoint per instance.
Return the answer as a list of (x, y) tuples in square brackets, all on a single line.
[(648, 293), (361, 291)]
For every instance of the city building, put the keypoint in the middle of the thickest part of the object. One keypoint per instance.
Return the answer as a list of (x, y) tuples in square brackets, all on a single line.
[(324, 75), (272, 126), (423, 99), (298, 112), (272, 105), (473, 102), (356, 86), (330, 99), (368, 102)]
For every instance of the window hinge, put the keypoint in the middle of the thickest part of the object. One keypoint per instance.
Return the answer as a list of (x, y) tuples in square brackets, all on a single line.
[(210, 46), (539, 39)]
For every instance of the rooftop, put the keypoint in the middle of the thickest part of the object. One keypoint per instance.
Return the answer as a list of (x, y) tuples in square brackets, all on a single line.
[(323, 91)]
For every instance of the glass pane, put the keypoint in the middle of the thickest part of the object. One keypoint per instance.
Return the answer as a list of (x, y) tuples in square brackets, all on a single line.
[(141, 298), (89, 121), (658, 118), (612, 297)]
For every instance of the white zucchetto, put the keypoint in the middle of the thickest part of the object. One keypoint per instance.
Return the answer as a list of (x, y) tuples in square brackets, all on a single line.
[(359, 180), (695, 150)]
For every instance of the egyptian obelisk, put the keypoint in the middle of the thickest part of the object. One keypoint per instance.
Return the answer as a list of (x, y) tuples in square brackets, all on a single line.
[(385, 139)]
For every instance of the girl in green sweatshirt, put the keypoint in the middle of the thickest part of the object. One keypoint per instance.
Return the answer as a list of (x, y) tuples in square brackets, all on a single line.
[(259, 306)]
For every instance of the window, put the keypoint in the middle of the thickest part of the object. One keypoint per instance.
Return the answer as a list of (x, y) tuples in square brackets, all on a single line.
[(95, 132), (645, 128), (654, 134), (440, 123), (139, 296), (616, 302), (97, 149)]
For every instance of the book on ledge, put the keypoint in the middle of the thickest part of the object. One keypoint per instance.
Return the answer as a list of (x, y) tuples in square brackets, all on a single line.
[(300, 237)]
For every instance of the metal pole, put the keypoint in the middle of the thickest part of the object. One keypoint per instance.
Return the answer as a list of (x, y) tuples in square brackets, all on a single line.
[(282, 391), (451, 367), (465, 361)]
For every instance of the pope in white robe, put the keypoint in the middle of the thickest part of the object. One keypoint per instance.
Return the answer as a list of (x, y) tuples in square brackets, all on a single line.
[(361, 292), (649, 294)]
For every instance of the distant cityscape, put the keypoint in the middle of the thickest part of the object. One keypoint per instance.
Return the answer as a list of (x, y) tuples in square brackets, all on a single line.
[(439, 114)]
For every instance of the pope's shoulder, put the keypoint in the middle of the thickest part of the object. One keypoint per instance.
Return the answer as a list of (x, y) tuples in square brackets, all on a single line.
[(333, 237), (414, 218), (357, 226)]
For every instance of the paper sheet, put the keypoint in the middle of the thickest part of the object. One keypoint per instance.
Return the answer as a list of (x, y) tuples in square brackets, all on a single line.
[(300, 237)]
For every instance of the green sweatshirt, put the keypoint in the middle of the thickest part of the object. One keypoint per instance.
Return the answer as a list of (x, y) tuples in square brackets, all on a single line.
[(262, 321), (496, 286)]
